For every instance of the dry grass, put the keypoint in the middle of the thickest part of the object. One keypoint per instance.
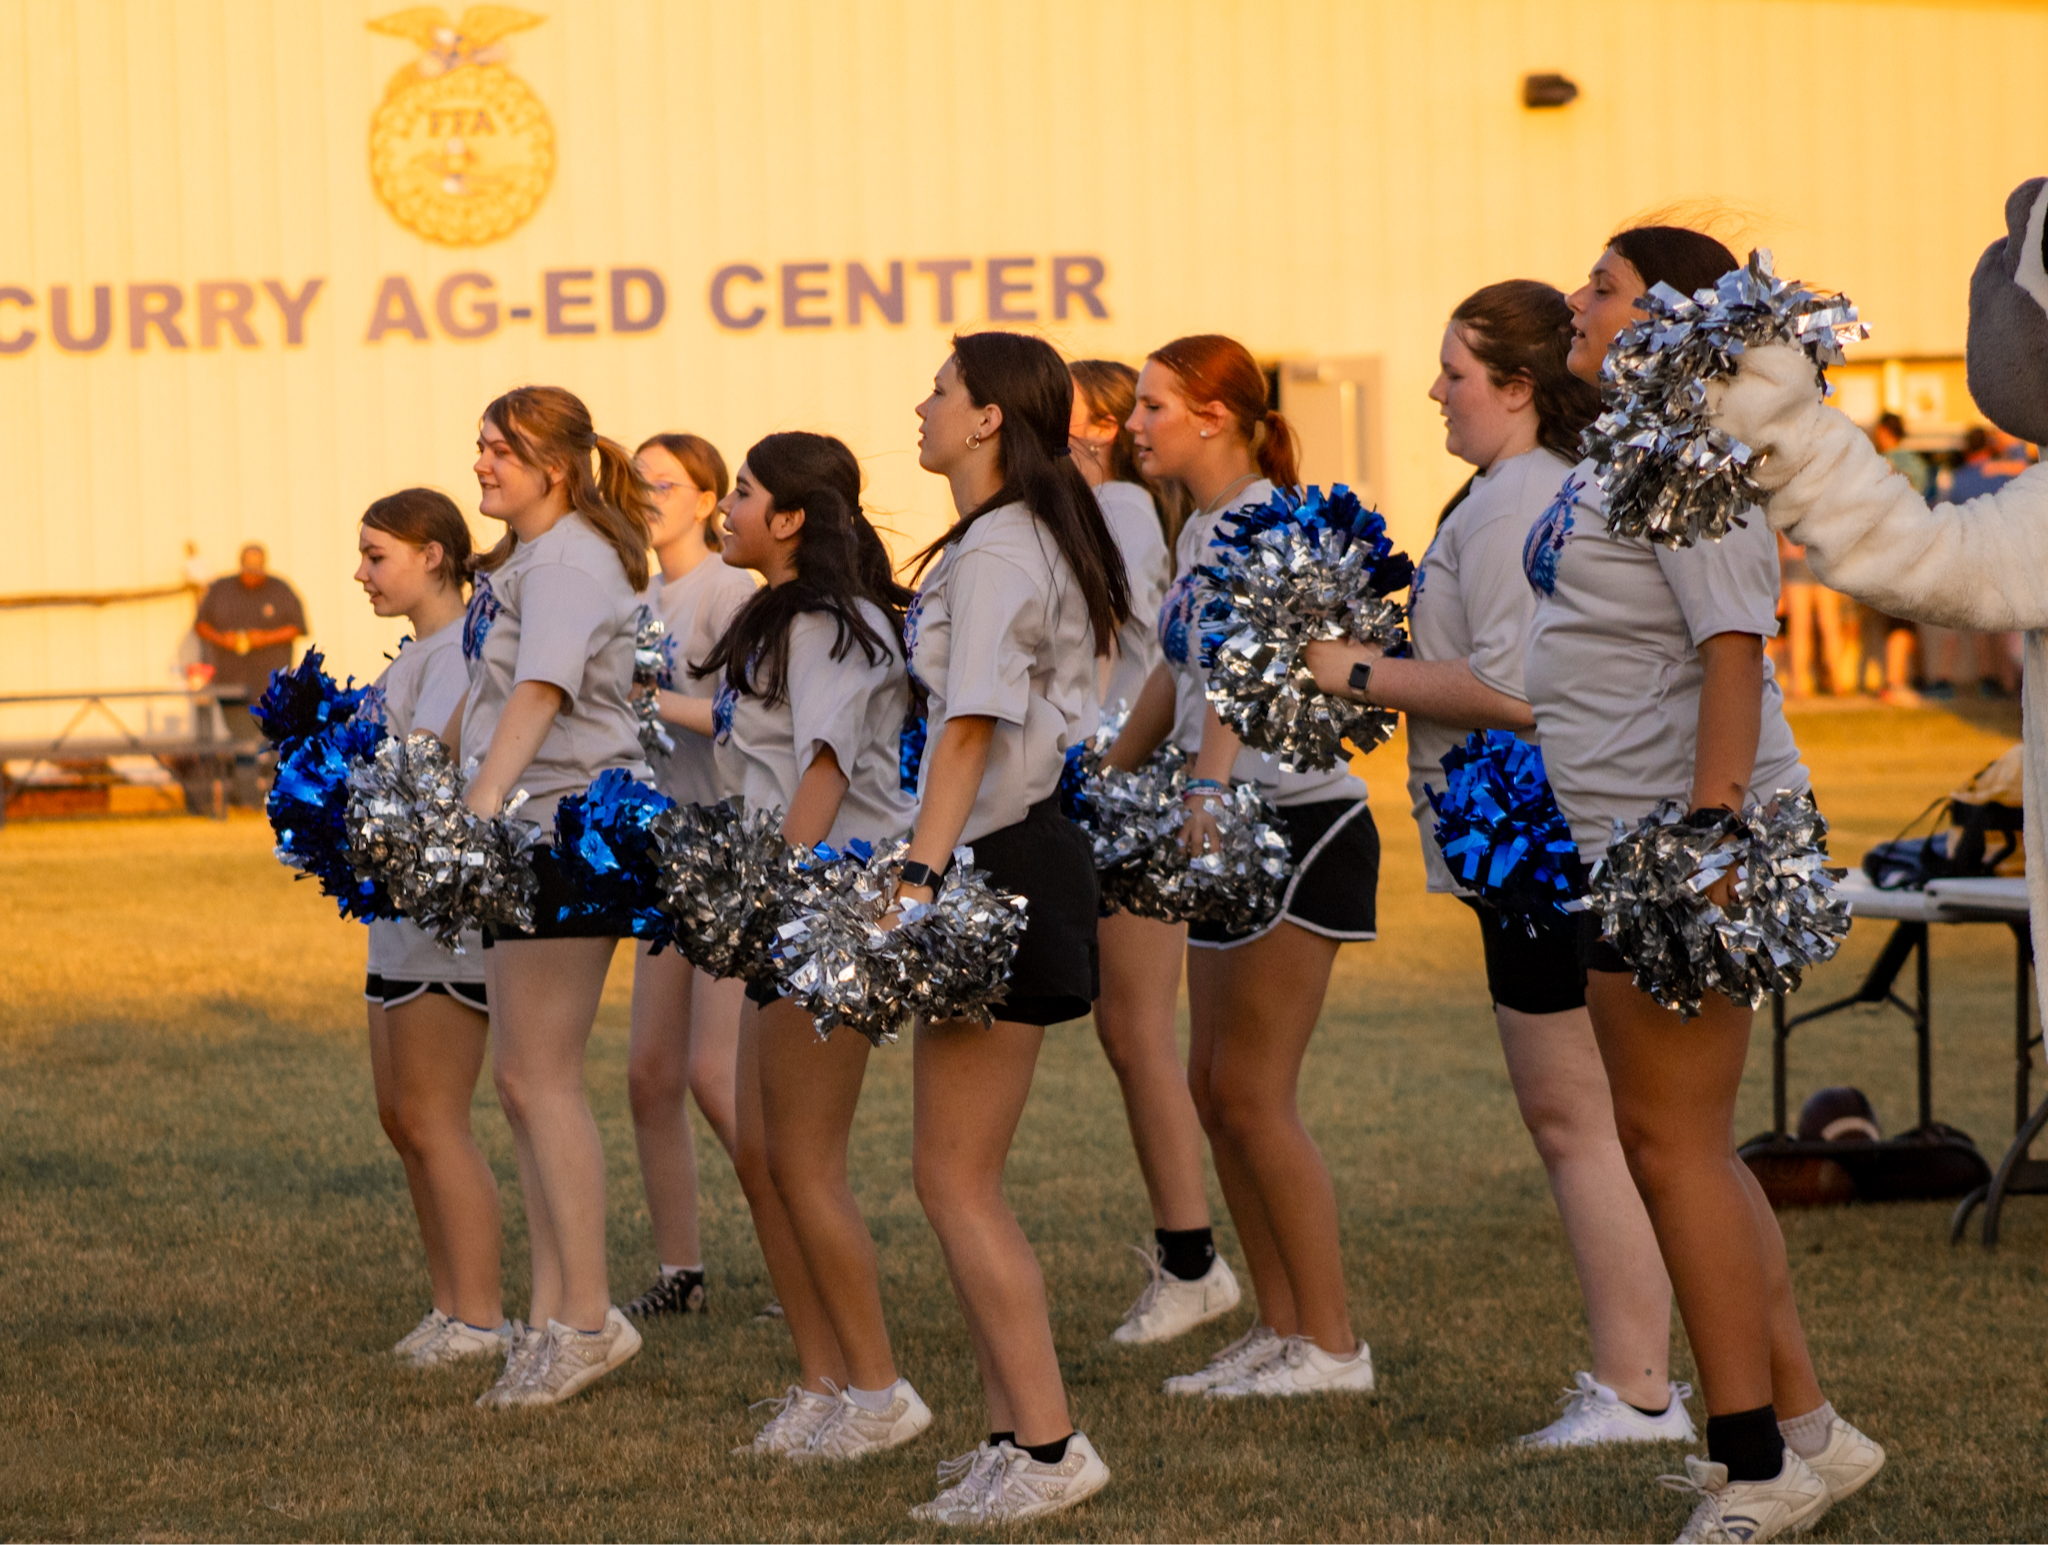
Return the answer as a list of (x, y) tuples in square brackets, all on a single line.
[(205, 1244)]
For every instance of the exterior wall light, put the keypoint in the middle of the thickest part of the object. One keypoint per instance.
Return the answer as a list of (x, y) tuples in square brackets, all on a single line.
[(1548, 90)]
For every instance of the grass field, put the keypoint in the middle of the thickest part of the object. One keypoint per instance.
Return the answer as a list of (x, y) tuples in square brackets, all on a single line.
[(205, 1246)]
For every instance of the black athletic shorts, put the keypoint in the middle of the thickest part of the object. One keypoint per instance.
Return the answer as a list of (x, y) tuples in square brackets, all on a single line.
[(391, 992), (1335, 845), (556, 892), (1595, 953), (1539, 975), (1046, 859)]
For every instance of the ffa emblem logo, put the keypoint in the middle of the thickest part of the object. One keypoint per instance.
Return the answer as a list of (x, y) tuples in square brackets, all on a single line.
[(461, 150)]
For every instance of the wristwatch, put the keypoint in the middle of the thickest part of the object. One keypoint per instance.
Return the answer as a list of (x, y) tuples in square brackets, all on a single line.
[(1360, 678), (923, 876)]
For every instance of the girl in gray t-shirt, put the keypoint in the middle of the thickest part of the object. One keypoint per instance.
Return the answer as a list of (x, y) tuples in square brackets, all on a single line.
[(810, 699), (1019, 599), (549, 639), (428, 1028), (1647, 674)]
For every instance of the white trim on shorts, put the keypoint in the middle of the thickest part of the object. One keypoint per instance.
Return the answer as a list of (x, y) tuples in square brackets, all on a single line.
[(1287, 900)]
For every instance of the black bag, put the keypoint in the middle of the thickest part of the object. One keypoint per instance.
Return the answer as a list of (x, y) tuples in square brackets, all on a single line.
[(1976, 814)]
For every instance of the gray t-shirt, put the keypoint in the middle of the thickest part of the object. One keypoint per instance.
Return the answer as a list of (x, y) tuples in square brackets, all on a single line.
[(1000, 628), (1613, 672), (559, 610), (1133, 520), (1471, 602), (1180, 638), (696, 610), (420, 690), (849, 705)]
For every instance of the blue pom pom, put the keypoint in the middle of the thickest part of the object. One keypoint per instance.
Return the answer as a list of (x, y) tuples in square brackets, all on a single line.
[(605, 850), (303, 701), (910, 750), (1501, 832), (1082, 763), (308, 809)]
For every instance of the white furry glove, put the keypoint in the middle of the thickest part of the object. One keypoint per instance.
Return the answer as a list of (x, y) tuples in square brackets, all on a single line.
[(1769, 405)]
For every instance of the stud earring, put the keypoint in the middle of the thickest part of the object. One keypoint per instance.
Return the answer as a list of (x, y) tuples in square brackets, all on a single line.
[(1205, 434)]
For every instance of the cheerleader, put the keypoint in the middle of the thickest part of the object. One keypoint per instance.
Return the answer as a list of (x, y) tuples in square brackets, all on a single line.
[(1136, 1016), (1513, 411), (1254, 1000), (1647, 675), (427, 1006), (808, 719), (1018, 600), (685, 1024), (549, 638)]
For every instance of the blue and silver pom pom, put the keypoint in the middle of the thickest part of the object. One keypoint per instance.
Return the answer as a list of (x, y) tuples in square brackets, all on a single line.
[(302, 701), (650, 673), (1501, 833), (1303, 567), (606, 849), (1785, 911), (1670, 475), (308, 809)]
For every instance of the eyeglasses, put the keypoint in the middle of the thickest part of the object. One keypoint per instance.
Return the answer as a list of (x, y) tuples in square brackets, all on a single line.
[(662, 490)]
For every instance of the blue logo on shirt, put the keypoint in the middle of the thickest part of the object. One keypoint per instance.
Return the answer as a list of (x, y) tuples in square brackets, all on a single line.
[(1176, 616), (665, 678), (1546, 538), (722, 704), (912, 620), (484, 607), (370, 707)]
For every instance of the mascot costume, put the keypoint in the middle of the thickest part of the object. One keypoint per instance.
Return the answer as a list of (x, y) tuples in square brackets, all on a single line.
[(1981, 565)]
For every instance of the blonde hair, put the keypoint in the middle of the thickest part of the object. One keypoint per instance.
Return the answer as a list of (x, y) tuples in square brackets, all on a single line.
[(547, 426)]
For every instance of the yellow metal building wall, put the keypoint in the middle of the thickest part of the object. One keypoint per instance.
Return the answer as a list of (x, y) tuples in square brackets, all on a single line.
[(1317, 177)]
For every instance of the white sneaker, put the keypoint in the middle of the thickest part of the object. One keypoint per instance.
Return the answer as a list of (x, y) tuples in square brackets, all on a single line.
[(852, 1431), (1171, 1306), (960, 1503), (522, 1353), (1302, 1368), (1232, 1363), (457, 1341), (1748, 1512), (572, 1360), (1593, 1413), (409, 1343), (798, 1416), (1027, 1488), (1846, 1465)]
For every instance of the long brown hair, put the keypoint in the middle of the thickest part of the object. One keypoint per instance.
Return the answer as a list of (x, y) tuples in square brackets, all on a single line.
[(1213, 368), (1108, 388), (1521, 329), (700, 459), (417, 516), (1026, 378), (546, 427)]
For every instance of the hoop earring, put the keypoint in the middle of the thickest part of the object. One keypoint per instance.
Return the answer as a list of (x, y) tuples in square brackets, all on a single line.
[(974, 442)]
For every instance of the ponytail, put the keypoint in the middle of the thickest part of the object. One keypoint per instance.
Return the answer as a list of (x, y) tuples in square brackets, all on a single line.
[(1277, 449)]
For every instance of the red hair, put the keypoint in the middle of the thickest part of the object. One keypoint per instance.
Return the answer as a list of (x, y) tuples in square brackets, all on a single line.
[(1213, 368)]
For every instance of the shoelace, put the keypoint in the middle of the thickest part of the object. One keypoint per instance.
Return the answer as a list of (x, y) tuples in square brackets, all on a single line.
[(1239, 1355), (1694, 1482), (971, 1472), (994, 1480), (1154, 1285)]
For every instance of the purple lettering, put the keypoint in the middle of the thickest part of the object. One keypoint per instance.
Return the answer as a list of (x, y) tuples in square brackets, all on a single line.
[(482, 320), (226, 303), (1001, 287), (155, 305), (944, 272), (102, 319), (1067, 288), (557, 298), (861, 288), (795, 292), (721, 311), (21, 340), (396, 311), (623, 280), (293, 310)]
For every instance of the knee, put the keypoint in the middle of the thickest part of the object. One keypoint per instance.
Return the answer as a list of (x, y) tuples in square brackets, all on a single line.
[(516, 1091), (1205, 1104), (393, 1122), (1654, 1159), (947, 1195), (1237, 1116), (1561, 1133), (656, 1084)]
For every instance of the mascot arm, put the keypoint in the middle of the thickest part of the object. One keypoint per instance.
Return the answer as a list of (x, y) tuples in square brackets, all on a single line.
[(1982, 565)]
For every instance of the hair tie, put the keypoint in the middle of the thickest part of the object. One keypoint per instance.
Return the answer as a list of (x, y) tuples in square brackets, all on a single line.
[(1065, 448)]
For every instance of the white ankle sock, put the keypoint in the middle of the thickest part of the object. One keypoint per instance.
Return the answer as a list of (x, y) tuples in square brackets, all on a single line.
[(676, 1271), (876, 1400), (1807, 1435)]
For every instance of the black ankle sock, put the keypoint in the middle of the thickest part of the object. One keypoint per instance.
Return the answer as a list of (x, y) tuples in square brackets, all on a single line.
[(1186, 1253), (1648, 1412), (997, 1439), (1748, 1443), (1053, 1453)]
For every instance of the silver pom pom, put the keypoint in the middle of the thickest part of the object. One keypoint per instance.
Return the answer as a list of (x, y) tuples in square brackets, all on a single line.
[(1785, 912), (446, 868), (945, 959), (1670, 475), (650, 664), (726, 874)]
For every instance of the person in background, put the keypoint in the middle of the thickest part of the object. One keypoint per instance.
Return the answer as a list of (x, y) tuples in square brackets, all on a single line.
[(685, 1037), (1813, 626), (1889, 436), (1991, 459), (1136, 1018), (246, 625), (1887, 644)]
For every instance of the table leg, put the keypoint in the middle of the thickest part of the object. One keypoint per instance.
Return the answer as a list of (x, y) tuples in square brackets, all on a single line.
[(1923, 1028)]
